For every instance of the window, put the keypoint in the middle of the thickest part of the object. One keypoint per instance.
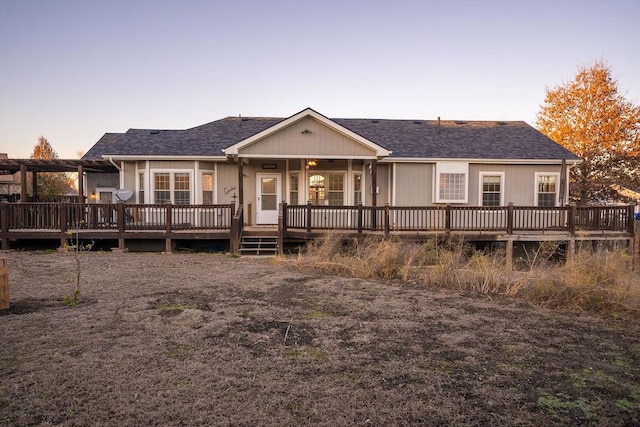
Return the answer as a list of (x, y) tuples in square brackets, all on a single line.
[(546, 189), (207, 188), (357, 188), (326, 189), (162, 186), (181, 185), (316, 190), (293, 189), (336, 190), (451, 181), (491, 185), (172, 187), (141, 187)]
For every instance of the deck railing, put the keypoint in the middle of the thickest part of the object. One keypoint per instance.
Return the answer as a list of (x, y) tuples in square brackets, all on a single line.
[(387, 219), (98, 216), (508, 219)]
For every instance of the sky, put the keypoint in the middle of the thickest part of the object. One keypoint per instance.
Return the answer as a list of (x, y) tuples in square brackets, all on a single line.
[(71, 70)]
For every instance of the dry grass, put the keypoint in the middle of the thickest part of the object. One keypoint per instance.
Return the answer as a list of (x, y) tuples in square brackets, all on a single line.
[(591, 281), (203, 339)]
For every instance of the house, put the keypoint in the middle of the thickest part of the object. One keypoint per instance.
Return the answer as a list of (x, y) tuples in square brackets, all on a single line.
[(10, 183), (258, 162)]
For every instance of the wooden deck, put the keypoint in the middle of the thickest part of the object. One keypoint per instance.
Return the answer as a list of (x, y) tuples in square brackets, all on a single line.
[(124, 222)]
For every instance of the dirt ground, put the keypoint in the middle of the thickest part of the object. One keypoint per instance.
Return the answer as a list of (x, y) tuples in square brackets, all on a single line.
[(207, 339)]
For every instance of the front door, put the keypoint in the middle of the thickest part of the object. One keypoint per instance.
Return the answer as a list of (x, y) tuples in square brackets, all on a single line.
[(268, 194)]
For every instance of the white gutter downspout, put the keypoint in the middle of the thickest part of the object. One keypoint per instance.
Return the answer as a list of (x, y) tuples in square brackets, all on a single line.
[(120, 174), (114, 164)]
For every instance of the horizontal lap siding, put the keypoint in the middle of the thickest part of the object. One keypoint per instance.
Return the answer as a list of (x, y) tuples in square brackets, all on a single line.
[(227, 182), (414, 184)]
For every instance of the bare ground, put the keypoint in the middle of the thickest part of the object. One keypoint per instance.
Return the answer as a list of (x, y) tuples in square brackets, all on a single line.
[(206, 339)]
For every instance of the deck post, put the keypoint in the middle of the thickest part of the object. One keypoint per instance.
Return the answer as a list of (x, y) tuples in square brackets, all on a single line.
[(510, 221), (572, 220), (4, 225), (509, 255), (636, 247), (236, 232), (282, 226), (120, 217), (571, 248), (631, 223), (64, 238), (167, 230), (386, 220), (447, 219), (359, 217), (309, 216)]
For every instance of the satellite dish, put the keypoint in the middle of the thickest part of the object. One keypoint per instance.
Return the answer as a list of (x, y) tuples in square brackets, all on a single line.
[(123, 194)]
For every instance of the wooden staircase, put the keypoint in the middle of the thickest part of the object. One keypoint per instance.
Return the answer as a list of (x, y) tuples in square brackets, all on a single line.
[(258, 245)]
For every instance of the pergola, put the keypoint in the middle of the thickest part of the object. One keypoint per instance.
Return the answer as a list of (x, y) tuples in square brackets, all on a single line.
[(54, 165)]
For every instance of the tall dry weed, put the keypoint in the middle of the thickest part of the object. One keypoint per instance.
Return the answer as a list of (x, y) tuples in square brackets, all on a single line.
[(590, 281), (370, 257)]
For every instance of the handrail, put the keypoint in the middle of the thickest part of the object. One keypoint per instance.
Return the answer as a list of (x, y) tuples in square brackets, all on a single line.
[(508, 219), (387, 219)]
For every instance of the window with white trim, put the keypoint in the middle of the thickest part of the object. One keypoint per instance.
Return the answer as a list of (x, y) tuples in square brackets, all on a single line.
[(293, 189), (451, 182), (491, 188), (207, 188), (172, 187), (141, 187), (326, 189), (357, 188), (546, 189)]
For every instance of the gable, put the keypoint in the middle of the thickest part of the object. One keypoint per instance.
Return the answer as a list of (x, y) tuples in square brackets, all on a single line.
[(307, 134), (307, 138)]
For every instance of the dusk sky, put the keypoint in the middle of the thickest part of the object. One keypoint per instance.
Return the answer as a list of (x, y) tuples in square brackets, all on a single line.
[(73, 70)]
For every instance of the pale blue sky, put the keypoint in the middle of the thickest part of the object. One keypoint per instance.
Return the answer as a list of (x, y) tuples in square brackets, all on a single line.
[(73, 70)]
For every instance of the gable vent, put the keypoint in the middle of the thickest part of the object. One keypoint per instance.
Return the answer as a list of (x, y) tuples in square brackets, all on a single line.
[(154, 132), (375, 121)]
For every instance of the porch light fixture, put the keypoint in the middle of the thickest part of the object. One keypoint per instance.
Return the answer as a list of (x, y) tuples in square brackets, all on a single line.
[(312, 163), (93, 195)]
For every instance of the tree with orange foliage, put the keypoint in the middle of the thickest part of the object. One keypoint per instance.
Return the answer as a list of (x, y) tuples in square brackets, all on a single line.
[(589, 117), (50, 184)]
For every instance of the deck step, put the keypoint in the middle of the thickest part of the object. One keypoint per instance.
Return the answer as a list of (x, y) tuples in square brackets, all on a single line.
[(259, 245)]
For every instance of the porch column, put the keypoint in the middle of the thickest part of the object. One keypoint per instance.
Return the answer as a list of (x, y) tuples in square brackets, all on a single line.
[(374, 182), (80, 184), (34, 185), (240, 182), (23, 183)]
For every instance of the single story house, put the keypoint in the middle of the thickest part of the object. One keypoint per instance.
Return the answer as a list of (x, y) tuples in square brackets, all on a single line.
[(258, 162)]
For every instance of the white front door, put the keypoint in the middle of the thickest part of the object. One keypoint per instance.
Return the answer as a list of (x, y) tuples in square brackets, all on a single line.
[(268, 198)]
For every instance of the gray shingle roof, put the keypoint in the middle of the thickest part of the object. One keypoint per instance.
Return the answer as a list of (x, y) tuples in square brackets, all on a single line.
[(406, 138)]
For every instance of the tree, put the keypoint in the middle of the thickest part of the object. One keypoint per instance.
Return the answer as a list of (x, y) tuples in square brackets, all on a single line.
[(50, 183), (589, 117)]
